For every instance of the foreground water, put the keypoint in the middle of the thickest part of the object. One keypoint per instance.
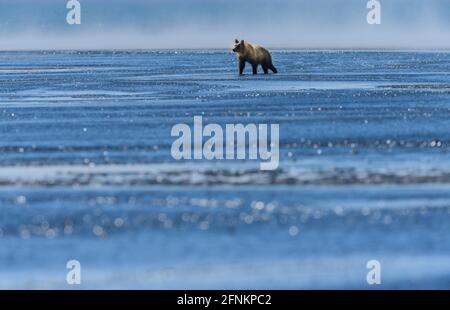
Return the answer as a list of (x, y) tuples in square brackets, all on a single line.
[(86, 171)]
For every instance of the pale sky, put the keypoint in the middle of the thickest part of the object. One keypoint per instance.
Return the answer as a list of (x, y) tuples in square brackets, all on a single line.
[(148, 24)]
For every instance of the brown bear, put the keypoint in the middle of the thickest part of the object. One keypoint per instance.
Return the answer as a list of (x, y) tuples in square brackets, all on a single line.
[(255, 55)]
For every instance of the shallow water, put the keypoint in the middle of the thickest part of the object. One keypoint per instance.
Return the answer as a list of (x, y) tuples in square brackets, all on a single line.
[(86, 171)]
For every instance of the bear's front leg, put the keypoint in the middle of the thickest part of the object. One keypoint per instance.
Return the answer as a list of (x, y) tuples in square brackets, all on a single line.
[(255, 69), (241, 66)]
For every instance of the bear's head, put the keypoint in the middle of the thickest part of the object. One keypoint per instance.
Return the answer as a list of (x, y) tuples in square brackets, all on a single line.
[(239, 46)]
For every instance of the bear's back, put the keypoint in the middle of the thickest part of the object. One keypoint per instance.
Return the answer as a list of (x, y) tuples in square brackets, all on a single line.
[(260, 52)]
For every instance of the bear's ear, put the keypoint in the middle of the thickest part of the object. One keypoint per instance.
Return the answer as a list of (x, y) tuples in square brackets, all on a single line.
[(236, 41), (242, 41)]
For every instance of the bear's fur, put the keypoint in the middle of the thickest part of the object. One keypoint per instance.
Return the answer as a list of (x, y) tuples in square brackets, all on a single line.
[(253, 54)]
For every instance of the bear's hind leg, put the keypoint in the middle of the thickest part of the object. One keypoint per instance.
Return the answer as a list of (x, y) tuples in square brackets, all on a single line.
[(274, 70), (266, 69)]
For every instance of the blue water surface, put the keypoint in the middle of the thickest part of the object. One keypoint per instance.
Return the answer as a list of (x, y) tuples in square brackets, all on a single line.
[(86, 171)]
